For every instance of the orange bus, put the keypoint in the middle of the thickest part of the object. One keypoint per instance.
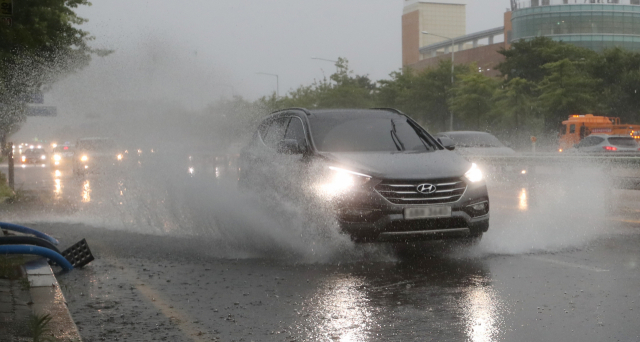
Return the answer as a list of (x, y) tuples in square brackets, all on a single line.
[(577, 127)]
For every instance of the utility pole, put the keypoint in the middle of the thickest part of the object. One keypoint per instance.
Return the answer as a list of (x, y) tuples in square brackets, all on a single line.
[(10, 162)]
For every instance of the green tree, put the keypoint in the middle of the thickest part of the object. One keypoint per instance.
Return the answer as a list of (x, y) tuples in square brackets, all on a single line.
[(343, 89), (472, 101), (526, 58), (568, 89), (514, 100), (422, 94), (43, 44), (619, 72)]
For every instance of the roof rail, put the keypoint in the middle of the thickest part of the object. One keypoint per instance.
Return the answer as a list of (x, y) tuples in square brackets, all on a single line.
[(306, 111), (389, 109)]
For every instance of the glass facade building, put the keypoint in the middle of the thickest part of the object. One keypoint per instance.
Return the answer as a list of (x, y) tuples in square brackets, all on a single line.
[(595, 26)]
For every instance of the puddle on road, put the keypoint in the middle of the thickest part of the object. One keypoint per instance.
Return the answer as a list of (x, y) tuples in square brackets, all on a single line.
[(433, 297)]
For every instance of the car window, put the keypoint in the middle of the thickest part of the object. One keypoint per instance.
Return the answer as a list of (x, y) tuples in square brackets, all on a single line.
[(368, 135), (623, 142), (590, 141), (475, 140), (295, 131), (572, 129), (275, 132)]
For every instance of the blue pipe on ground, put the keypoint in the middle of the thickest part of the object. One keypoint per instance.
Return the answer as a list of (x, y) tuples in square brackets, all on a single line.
[(25, 230), (35, 250)]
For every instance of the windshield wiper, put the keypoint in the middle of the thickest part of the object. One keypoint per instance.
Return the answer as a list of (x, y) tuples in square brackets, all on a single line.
[(394, 136)]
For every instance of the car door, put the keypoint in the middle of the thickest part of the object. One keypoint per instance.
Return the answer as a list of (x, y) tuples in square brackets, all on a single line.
[(590, 144), (263, 164)]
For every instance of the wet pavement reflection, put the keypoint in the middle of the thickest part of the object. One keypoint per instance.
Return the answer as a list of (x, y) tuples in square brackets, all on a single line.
[(161, 275)]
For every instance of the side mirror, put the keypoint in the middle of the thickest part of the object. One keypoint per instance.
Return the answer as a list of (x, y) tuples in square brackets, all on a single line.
[(290, 146), (447, 143)]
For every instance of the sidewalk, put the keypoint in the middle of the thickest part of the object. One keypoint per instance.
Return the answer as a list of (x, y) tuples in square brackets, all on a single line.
[(34, 294)]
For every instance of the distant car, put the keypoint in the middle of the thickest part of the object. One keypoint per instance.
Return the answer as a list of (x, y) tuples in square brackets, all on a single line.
[(385, 177), (96, 154), (34, 156), (62, 156), (477, 143), (604, 143)]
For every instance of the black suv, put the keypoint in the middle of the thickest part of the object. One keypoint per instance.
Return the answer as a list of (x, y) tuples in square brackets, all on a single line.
[(383, 175)]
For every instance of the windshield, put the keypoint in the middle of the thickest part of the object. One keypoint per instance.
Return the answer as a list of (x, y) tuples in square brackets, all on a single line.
[(475, 140), (623, 142), (34, 151), (368, 135), (96, 145)]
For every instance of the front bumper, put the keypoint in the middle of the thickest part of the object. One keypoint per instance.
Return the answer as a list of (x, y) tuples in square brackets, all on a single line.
[(367, 216)]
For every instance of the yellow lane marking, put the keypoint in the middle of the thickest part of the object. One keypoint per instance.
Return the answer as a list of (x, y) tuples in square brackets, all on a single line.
[(180, 318)]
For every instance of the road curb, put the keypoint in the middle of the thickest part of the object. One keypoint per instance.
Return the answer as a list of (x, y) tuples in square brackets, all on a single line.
[(48, 299)]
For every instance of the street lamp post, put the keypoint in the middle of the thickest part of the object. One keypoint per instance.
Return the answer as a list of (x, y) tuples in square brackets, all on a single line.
[(452, 78), (277, 81), (327, 60)]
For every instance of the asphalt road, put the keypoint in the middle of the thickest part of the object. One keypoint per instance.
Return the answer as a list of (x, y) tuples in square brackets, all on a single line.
[(555, 266)]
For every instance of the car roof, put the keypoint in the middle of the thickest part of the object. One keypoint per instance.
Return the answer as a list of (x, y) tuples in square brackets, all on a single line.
[(355, 113)]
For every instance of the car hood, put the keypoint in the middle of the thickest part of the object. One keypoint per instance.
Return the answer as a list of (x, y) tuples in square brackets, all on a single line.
[(427, 165)]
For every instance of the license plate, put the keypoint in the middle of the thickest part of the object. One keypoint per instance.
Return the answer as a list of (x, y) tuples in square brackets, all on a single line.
[(426, 212)]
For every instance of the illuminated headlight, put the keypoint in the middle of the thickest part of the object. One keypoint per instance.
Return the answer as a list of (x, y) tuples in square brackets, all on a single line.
[(43, 157), (24, 158), (57, 157), (191, 170), (84, 158), (119, 157), (341, 181), (474, 174)]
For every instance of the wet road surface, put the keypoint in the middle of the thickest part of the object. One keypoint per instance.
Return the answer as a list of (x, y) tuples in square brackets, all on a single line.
[(519, 284)]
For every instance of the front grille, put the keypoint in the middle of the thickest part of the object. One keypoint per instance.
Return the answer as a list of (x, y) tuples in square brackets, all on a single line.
[(405, 192)]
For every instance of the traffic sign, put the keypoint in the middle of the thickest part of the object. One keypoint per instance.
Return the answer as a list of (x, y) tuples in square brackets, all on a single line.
[(6, 8)]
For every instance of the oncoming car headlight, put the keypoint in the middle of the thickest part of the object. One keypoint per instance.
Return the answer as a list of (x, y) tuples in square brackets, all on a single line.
[(474, 174), (341, 181), (57, 157), (43, 157), (119, 156), (84, 158)]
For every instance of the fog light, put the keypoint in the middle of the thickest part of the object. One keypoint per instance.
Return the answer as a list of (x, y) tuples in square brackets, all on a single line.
[(479, 206), (478, 209)]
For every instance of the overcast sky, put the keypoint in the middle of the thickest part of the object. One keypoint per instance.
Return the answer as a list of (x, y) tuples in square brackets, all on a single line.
[(190, 53), (236, 39)]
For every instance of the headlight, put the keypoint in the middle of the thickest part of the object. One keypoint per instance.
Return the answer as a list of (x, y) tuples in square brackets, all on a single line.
[(474, 174), (84, 158), (119, 157), (340, 181), (24, 158), (57, 157), (43, 157)]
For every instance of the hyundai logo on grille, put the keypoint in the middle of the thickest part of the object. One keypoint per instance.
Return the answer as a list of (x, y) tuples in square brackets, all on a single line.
[(426, 188)]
